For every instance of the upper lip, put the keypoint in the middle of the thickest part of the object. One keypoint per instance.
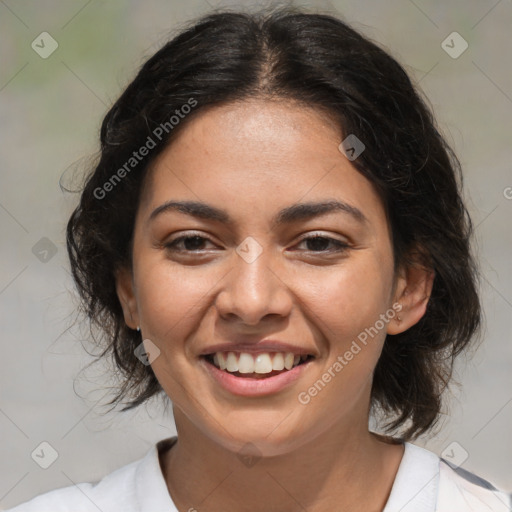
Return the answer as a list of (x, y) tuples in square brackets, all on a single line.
[(257, 347)]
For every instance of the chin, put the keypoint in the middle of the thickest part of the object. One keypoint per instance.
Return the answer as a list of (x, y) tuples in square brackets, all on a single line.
[(262, 438)]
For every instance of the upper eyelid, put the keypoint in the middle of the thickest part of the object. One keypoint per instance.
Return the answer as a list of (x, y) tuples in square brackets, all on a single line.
[(322, 235), (341, 244), (314, 234)]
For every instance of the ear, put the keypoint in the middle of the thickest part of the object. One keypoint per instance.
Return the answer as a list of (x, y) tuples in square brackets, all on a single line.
[(126, 294), (412, 291)]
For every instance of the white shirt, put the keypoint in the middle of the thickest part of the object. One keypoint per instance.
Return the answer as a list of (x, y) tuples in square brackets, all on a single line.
[(423, 483)]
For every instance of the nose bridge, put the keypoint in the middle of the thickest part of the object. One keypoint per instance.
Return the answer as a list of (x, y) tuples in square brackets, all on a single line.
[(253, 289)]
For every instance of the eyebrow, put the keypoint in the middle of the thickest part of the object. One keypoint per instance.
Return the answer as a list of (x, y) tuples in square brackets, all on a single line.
[(294, 213)]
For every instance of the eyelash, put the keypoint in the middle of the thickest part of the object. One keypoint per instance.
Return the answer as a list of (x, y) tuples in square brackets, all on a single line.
[(341, 246)]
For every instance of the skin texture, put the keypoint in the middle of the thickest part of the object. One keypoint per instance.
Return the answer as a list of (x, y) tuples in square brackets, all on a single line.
[(253, 158)]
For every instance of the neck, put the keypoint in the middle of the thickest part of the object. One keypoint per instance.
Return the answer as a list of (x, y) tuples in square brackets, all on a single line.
[(344, 468)]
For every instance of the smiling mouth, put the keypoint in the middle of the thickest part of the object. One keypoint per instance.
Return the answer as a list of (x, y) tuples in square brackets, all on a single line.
[(256, 366)]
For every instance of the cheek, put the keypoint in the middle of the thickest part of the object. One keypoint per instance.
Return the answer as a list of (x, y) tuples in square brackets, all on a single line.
[(347, 300), (170, 300), (347, 307)]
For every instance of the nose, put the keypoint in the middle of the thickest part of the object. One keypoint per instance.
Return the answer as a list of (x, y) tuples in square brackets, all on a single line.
[(253, 290)]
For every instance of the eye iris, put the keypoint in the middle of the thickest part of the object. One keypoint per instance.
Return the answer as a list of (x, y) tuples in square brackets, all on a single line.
[(318, 243), (196, 244)]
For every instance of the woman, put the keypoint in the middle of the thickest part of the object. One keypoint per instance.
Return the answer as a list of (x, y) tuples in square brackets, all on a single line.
[(274, 238)]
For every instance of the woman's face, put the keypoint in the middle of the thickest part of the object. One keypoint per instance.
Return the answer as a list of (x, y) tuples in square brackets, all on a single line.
[(252, 272)]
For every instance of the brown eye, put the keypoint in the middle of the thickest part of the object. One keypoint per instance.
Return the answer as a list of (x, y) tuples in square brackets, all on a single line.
[(320, 243), (190, 243)]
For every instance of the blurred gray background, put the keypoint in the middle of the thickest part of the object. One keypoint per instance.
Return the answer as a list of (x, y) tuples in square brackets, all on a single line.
[(51, 107)]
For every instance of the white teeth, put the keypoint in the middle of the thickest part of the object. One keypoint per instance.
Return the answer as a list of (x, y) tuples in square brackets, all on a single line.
[(262, 363), (231, 362), (288, 360), (278, 362), (245, 363)]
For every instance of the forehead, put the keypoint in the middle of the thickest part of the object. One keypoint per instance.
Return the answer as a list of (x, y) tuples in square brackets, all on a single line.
[(256, 131), (258, 153)]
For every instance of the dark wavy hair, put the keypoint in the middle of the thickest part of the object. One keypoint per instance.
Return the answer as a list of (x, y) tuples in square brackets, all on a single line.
[(318, 61)]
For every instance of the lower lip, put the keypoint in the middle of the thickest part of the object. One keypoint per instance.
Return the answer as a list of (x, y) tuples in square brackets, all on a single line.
[(246, 386)]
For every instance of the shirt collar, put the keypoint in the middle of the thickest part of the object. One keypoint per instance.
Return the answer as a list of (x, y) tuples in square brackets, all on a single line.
[(416, 484), (150, 486)]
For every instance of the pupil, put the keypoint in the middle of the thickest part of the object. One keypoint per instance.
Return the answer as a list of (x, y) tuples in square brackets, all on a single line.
[(198, 242), (318, 243)]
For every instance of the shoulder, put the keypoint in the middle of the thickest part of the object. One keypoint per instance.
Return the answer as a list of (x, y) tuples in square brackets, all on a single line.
[(466, 491), (135, 487), (427, 483), (113, 492)]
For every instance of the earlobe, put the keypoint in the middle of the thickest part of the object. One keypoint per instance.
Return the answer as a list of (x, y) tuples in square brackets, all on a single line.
[(126, 294), (412, 293)]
